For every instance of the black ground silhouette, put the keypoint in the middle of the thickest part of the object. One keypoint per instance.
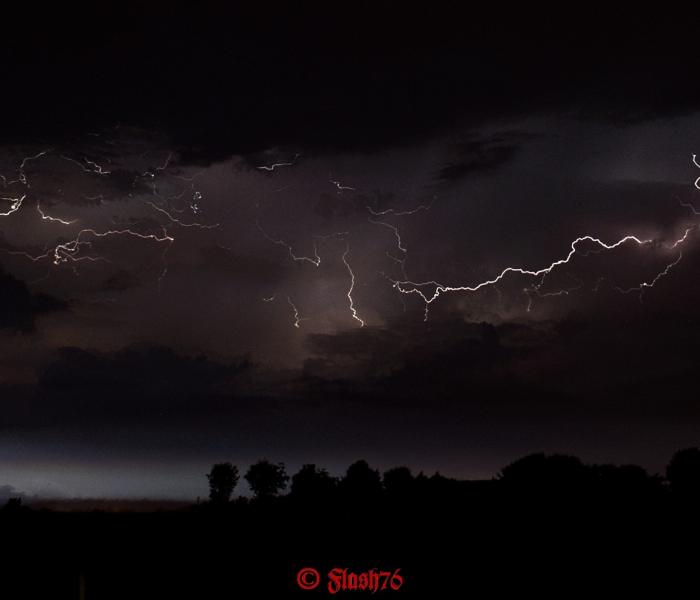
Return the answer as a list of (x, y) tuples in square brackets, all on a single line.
[(546, 524)]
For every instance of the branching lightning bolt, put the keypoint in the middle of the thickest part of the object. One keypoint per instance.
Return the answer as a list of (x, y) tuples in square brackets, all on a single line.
[(87, 165), (15, 205), (172, 200), (315, 261), (410, 287)]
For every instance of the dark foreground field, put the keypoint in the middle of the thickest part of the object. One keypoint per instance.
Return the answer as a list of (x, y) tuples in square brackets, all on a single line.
[(482, 544)]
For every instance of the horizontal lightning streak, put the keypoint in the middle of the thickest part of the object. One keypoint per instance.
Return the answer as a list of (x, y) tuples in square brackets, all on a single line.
[(342, 188), (274, 166), (180, 223), (410, 287), (46, 217), (66, 251), (400, 213)]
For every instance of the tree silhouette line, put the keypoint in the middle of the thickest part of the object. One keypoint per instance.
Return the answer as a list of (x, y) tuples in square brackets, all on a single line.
[(535, 475)]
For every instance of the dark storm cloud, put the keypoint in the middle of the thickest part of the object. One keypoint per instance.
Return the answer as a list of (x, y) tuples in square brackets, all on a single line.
[(225, 79), (124, 182), (136, 384), (120, 281), (484, 141), (153, 370), (251, 269), (20, 307), (582, 368), (479, 155), (334, 206)]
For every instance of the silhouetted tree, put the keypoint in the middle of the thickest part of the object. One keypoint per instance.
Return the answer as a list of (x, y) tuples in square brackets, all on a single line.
[(542, 473), (624, 480), (421, 484), (441, 485), (683, 472), (361, 481), (223, 478), (266, 479), (14, 505), (312, 483), (398, 481)]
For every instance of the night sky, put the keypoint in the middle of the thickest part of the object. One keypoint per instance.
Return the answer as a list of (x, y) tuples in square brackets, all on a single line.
[(236, 233)]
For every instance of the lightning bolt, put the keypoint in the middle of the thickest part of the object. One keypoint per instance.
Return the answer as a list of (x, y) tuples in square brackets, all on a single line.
[(15, 205), (163, 167), (73, 251), (395, 229), (353, 311), (650, 284), (342, 188), (297, 318), (180, 223), (535, 289), (87, 165), (158, 181), (400, 213), (22, 176), (46, 217), (68, 251), (410, 287), (690, 207), (397, 235), (315, 261), (274, 166)]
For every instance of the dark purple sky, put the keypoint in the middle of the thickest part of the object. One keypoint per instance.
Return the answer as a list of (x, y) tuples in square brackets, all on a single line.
[(205, 216)]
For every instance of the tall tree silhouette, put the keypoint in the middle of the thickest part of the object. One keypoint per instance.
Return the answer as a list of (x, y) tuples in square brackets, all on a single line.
[(683, 472), (14, 505), (361, 481), (313, 483), (266, 479), (540, 473), (624, 480), (399, 482), (223, 478)]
